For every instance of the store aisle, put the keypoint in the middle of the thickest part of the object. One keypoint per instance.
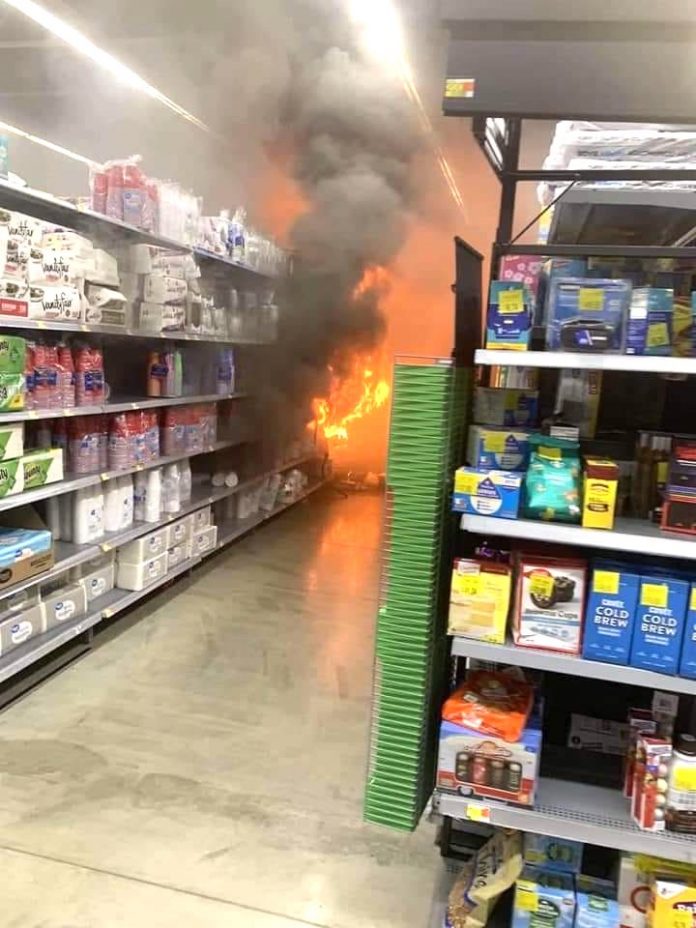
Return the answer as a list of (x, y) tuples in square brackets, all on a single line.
[(205, 765)]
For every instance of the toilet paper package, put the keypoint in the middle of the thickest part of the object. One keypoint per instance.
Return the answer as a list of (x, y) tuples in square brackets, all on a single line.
[(158, 289), (17, 628), (59, 304), (103, 269), (66, 604)]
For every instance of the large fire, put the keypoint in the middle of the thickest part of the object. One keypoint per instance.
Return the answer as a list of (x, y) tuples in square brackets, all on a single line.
[(363, 389), (350, 399)]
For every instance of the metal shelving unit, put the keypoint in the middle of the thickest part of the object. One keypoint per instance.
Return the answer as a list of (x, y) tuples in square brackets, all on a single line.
[(554, 662), (560, 360), (629, 535), (120, 404), (574, 811), (117, 600)]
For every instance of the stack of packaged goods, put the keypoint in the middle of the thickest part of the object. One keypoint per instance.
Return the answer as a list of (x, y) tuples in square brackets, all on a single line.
[(585, 305)]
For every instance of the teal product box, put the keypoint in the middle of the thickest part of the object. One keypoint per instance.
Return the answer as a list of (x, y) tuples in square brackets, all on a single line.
[(544, 897), (595, 903), (498, 448), (509, 321), (610, 613), (552, 853), (587, 315), (650, 315), (659, 624), (487, 492), (687, 664)]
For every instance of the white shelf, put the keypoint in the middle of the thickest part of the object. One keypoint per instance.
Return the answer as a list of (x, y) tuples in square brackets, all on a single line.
[(88, 480), (117, 600), (585, 361), (117, 405), (565, 663), (93, 328), (633, 536), (574, 811)]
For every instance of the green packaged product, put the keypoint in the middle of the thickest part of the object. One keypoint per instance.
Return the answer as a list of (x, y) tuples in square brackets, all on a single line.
[(12, 354), (11, 392), (552, 482)]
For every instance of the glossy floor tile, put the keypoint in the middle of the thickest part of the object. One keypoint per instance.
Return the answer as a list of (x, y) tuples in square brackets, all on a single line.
[(213, 749)]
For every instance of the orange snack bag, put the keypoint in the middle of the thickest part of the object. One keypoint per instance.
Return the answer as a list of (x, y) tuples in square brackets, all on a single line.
[(491, 702)]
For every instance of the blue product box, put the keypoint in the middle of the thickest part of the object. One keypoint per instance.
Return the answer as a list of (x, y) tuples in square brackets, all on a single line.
[(687, 665), (610, 613), (544, 897), (649, 329), (19, 543), (487, 492), (498, 448), (553, 853), (659, 624), (587, 314), (596, 905), (509, 316), (553, 269)]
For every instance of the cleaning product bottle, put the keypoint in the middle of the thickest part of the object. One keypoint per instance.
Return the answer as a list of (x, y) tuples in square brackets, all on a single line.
[(88, 515), (171, 501), (153, 497), (185, 480), (112, 511), (140, 496), (125, 499)]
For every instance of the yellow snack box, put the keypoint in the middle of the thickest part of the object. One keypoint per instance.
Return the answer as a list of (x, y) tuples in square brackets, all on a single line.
[(672, 903), (480, 600), (601, 480)]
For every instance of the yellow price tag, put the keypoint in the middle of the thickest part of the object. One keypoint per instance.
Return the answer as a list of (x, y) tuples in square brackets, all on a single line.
[(107, 613), (526, 897), (105, 546), (551, 454), (460, 87), (469, 584), (478, 813), (658, 335), (654, 594), (494, 442), (591, 299), (510, 302), (541, 585), (681, 919), (684, 778), (692, 598), (466, 483), (605, 581)]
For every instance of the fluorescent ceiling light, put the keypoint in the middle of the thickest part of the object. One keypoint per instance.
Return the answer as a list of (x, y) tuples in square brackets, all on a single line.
[(382, 38), (13, 130), (86, 47)]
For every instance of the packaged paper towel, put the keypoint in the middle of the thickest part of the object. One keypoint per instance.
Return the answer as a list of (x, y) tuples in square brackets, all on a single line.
[(61, 304)]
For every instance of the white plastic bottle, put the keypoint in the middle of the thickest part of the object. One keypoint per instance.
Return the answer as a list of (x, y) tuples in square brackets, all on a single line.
[(171, 501), (88, 515), (53, 517), (125, 495), (153, 498), (65, 506), (185, 480), (140, 496), (112, 511)]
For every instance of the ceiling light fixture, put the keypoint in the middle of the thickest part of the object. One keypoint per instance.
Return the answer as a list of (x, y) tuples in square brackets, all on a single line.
[(51, 146), (103, 59), (382, 38)]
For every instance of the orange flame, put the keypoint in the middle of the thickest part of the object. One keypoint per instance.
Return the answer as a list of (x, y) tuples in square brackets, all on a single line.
[(328, 414)]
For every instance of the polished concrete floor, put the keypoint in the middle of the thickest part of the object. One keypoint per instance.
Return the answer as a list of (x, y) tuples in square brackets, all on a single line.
[(205, 765)]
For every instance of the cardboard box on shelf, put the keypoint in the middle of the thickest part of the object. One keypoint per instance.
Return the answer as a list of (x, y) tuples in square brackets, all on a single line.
[(179, 532), (509, 320), (42, 467), (204, 540), (660, 621), (610, 613), (544, 897), (26, 546), (493, 493), (145, 548), (672, 902), (488, 767), (553, 853), (136, 576), (595, 901), (65, 605), (480, 600), (494, 448), (549, 604), (16, 628)]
